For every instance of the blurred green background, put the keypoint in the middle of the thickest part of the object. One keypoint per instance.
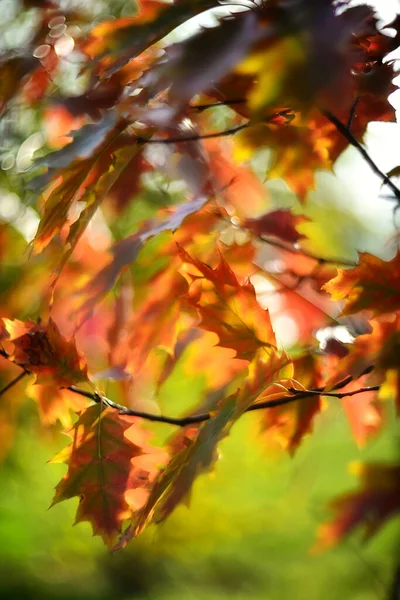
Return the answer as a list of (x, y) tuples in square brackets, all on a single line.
[(247, 534)]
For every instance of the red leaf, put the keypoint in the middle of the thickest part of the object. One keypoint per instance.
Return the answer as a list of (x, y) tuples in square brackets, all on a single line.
[(279, 223), (108, 457), (369, 507)]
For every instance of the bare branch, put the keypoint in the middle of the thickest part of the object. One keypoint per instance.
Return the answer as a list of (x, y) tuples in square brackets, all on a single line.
[(295, 396), (193, 138), (345, 131), (13, 382)]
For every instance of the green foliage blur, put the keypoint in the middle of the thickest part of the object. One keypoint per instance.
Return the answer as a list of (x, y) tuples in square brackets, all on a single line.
[(247, 534)]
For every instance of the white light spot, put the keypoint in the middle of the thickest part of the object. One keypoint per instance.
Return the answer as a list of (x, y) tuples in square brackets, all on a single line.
[(286, 330), (10, 206), (58, 31), (340, 333), (27, 223), (27, 149), (56, 21), (41, 51), (64, 45)]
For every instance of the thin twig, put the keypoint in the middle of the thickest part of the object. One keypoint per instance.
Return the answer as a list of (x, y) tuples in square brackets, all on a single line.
[(201, 107), (194, 137), (13, 382), (302, 252), (345, 131), (352, 114), (201, 418)]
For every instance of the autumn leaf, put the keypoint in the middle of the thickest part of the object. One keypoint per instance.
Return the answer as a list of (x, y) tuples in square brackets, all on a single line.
[(289, 423), (56, 405), (236, 181), (363, 411), (124, 253), (199, 454), (226, 307), (104, 463), (155, 323), (186, 69), (278, 223), (369, 507), (300, 147), (373, 285), (42, 350), (125, 38)]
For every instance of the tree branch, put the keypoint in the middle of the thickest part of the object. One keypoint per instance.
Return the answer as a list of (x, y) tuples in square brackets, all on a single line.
[(201, 107), (194, 137), (345, 131), (202, 417), (326, 261), (13, 382)]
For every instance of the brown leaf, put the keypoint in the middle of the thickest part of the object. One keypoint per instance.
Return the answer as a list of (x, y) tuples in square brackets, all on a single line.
[(42, 350)]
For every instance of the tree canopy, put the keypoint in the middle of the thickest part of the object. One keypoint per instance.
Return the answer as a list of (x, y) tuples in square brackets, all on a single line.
[(160, 244)]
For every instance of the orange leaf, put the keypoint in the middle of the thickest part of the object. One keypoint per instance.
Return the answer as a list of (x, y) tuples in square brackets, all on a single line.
[(227, 307), (373, 285), (42, 350), (56, 404), (198, 455), (289, 423), (155, 324)]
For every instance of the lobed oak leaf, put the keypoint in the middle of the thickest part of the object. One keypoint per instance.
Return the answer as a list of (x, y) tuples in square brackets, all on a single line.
[(42, 350), (300, 147), (196, 64), (369, 507), (198, 451), (278, 223), (107, 458), (372, 285), (228, 308)]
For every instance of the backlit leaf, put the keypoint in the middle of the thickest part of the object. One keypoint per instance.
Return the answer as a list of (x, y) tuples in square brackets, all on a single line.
[(374, 285), (108, 457), (198, 455), (42, 350), (226, 307)]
